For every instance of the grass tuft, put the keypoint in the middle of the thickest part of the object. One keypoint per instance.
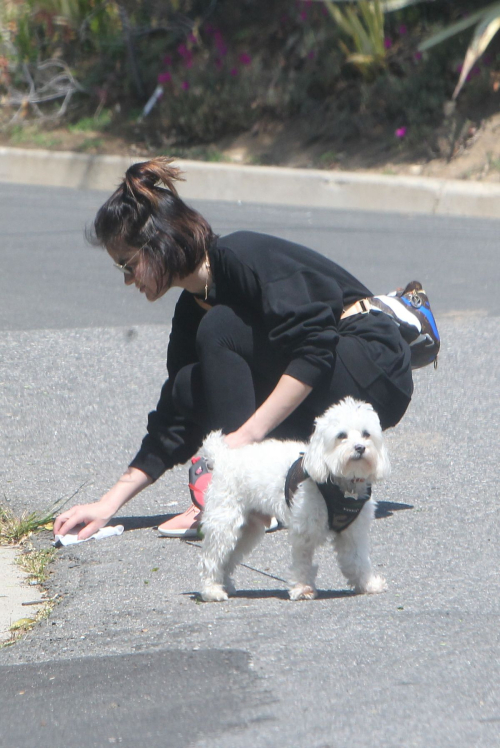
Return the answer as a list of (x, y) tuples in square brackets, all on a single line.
[(35, 563), (14, 530)]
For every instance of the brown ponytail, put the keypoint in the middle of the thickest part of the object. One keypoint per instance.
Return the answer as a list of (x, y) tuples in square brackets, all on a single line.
[(142, 179), (146, 212)]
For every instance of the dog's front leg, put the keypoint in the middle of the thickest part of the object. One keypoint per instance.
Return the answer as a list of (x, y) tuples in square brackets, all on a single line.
[(222, 532), (303, 570), (353, 555)]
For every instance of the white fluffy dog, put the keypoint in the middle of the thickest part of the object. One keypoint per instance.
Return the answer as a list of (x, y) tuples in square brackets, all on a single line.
[(344, 456)]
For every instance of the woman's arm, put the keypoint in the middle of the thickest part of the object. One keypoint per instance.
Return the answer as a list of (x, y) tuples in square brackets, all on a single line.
[(96, 515), (288, 394)]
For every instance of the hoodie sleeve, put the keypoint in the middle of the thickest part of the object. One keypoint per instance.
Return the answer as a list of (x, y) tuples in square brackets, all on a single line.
[(171, 440), (301, 312)]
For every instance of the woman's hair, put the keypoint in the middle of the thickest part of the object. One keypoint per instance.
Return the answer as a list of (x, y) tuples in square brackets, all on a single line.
[(146, 212)]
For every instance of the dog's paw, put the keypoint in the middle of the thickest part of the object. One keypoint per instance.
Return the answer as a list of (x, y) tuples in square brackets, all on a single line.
[(372, 586), (214, 593), (302, 592)]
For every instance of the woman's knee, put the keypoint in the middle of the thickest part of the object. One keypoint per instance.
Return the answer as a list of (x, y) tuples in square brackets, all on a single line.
[(222, 327)]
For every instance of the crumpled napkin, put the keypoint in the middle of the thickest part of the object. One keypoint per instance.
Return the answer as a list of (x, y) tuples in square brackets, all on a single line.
[(71, 538)]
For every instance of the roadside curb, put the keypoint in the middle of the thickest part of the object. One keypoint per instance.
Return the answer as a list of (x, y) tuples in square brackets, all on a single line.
[(263, 184), (15, 592)]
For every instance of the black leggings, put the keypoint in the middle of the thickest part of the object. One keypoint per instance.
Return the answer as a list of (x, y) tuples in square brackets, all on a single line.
[(238, 369)]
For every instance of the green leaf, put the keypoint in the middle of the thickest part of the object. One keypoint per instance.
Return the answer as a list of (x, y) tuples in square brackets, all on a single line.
[(483, 35), (458, 27)]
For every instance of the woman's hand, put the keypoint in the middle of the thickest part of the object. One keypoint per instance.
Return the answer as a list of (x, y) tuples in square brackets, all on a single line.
[(93, 516), (238, 439)]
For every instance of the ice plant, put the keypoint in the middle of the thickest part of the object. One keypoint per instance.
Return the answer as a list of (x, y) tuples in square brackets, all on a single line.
[(400, 132)]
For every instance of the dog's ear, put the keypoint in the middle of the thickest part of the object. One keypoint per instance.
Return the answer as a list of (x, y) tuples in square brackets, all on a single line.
[(314, 459), (383, 464)]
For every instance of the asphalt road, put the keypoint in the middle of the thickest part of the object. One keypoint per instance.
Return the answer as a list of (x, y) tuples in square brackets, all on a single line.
[(128, 656)]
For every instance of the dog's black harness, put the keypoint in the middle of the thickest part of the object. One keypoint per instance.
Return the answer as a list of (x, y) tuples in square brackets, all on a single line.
[(342, 510)]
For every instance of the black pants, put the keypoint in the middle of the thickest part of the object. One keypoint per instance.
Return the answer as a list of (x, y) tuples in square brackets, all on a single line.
[(238, 369)]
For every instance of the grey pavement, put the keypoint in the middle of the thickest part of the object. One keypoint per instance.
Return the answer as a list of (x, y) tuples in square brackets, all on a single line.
[(129, 656)]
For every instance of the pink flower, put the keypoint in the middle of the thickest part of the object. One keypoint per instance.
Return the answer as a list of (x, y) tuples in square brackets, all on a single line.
[(164, 77), (183, 50), (387, 43), (400, 132), (245, 59), (185, 85)]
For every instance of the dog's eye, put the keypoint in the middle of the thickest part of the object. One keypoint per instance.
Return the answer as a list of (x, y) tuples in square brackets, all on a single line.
[(365, 435), (342, 435)]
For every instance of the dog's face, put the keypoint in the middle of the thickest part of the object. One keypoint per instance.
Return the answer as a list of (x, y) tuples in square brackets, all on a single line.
[(347, 442)]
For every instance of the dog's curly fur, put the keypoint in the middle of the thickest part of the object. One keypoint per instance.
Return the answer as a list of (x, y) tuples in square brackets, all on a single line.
[(347, 447)]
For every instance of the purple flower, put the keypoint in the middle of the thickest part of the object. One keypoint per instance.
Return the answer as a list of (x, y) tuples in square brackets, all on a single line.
[(185, 85), (164, 77), (245, 58), (303, 15), (403, 30), (192, 38), (417, 56), (387, 43), (183, 50), (400, 132), (233, 72)]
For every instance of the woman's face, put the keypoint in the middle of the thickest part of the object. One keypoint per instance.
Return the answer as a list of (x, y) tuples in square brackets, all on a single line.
[(137, 272)]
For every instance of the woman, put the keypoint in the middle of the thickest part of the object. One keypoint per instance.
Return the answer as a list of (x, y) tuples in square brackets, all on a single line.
[(265, 336)]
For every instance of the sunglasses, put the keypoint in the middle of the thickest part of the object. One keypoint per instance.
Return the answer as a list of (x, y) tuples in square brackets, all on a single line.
[(125, 268)]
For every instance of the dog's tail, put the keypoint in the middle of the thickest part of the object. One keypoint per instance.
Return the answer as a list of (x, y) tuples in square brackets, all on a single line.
[(213, 446)]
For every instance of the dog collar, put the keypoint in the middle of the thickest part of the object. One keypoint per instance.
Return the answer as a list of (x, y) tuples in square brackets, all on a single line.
[(342, 509)]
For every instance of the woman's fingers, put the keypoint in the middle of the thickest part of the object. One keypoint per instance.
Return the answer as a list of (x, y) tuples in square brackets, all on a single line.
[(91, 528), (80, 515), (63, 523)]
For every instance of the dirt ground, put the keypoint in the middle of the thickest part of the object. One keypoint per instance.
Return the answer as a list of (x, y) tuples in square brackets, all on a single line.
[(472, 153)]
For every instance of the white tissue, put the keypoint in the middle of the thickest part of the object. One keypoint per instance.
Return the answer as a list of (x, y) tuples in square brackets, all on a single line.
[(71, 538)]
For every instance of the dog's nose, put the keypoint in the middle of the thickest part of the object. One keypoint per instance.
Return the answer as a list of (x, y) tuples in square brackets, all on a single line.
[(360, 448)]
